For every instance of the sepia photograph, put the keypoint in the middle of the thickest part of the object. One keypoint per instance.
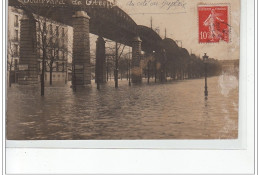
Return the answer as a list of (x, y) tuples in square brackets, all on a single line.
[(122, 69)]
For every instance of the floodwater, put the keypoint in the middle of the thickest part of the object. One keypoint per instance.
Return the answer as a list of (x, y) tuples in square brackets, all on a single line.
[(173, 110)]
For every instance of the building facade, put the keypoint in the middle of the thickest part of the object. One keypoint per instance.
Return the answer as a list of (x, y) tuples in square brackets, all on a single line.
[(51, 38), (14, 17)]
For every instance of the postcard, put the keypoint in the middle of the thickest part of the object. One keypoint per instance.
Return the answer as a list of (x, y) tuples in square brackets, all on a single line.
[(123, 70)]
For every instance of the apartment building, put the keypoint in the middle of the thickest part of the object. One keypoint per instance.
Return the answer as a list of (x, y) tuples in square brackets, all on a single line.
[(14, 17), (55, 47)]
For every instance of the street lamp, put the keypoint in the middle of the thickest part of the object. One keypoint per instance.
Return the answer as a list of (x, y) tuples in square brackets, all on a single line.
[(129, 67), (205, 60)]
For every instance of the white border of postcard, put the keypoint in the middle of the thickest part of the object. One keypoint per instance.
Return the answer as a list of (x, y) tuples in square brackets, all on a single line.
[(43, 157)]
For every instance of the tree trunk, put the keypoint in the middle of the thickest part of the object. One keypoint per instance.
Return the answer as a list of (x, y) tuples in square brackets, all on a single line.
[(107, 70), (10, 76), (148, 72), (43, 67), (129, 73), (51, 68), (10, 84), (116, 67), (155, 71), (66, 75), (42, 77)]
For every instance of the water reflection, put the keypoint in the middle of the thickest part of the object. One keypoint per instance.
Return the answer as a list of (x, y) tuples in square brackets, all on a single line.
[(174, 110)]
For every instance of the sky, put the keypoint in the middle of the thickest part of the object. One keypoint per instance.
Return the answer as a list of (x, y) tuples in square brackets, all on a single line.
[(180, 18)]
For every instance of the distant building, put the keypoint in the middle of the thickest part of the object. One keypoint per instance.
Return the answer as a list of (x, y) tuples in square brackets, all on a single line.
[(57, 46)]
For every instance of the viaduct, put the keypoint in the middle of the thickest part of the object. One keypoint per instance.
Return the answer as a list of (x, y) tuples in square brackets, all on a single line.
[(99, 17)]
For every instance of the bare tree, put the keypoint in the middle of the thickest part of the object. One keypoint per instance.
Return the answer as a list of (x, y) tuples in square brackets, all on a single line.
[(117, 52), (49, 45), (117, 48)]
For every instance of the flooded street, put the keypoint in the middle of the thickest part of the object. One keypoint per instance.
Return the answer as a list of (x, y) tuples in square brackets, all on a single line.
[(173, 110)]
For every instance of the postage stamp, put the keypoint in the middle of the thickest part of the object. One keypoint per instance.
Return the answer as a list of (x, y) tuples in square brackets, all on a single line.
[(213, 23)]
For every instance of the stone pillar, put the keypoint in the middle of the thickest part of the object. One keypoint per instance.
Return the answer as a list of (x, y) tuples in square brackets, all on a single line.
[(28, 74), (81, 49), (136, 69), (100, 60)]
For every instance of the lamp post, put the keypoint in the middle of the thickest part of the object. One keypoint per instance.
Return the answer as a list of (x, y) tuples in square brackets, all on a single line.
[(205, 60)]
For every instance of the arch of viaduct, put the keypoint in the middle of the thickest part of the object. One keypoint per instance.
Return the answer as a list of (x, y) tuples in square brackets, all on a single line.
[(99, 17)]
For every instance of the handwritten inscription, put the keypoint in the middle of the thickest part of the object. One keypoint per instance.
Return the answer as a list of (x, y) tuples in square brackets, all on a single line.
[(165, 4)]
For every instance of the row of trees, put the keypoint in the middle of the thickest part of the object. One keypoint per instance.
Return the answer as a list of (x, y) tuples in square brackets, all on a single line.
[(182, 65), (173, 62)]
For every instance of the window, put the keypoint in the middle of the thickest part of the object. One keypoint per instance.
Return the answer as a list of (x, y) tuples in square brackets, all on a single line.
[(38, 52), (38, 26), (39, 67), (63, 67), (57, 30), (16, 35), (39, 38), (51, 30), (57, 54), (62, 42), (63, 32), (15, 50), (52, 52), (51, 42), (45, 66), (16, 24), (44, 27), (63, 55), (15, 64), (57, 66)]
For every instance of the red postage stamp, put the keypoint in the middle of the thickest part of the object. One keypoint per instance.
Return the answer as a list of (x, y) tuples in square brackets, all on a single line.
[(213, 23)]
